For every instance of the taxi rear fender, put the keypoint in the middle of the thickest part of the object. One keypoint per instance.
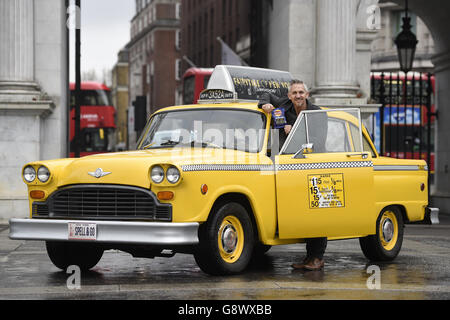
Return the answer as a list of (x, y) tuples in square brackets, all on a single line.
[(401, 207), (403, 212)]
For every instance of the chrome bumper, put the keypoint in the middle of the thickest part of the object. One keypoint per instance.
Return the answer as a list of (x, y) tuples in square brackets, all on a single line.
[(152, 233), (431, 215)]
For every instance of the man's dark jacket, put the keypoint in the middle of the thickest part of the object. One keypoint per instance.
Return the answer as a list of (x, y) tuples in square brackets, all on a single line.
[(289, 110)]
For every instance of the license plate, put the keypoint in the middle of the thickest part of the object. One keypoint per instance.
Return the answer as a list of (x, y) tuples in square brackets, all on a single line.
[(82, 231)]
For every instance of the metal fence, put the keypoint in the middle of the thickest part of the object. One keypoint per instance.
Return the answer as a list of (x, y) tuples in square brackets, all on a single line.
[(405, 122)]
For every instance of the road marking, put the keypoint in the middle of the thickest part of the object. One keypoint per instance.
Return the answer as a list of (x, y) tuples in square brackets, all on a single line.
[(228, 286)]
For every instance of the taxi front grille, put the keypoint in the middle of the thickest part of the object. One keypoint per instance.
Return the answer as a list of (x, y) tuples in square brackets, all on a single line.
[(103, 202)]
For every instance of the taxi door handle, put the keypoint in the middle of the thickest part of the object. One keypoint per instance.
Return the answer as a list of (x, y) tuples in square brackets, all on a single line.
[(362, 155)]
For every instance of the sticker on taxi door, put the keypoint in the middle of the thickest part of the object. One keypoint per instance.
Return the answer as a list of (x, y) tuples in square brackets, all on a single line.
[(326, 190)]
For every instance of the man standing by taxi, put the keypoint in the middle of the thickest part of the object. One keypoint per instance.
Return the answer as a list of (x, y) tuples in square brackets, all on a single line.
[(295, 102)]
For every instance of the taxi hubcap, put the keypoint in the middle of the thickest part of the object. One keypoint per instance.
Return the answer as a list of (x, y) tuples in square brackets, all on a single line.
[(388, 230), (230, 239)]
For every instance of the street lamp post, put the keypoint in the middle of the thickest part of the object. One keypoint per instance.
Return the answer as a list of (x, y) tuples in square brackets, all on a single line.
[(77, 137), (406, 42)]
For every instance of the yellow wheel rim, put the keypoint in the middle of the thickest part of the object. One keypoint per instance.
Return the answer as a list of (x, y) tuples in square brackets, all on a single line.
[(230, 239), (388, 230)]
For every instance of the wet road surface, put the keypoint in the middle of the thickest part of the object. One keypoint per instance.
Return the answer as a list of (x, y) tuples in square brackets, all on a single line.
[(421, 271)]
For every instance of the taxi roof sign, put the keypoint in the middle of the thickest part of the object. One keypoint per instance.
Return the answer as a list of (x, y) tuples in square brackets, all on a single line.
[(245, 83)]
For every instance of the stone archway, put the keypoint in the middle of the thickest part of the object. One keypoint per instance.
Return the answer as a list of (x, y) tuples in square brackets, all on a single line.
[(435, 14)]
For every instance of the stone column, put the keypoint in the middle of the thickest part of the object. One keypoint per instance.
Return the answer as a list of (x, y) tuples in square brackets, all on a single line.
[(22, 104), (336, 49), (367, 28), (17, 44), (338, 60)]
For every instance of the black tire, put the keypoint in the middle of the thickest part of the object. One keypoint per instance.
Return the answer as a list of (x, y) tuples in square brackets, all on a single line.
[(226, 241), (64, 254), (387, 242)]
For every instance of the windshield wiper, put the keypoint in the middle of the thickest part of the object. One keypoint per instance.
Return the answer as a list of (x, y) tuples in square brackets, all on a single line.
[(169, 143), (193, 143), (203, 144)]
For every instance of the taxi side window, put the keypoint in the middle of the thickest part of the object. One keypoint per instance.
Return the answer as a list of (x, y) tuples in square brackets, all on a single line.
[(337, 140), (366, 145), (328, 132)]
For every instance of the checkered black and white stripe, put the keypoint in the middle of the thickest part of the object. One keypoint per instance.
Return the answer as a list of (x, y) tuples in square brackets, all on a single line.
[(278, 167)]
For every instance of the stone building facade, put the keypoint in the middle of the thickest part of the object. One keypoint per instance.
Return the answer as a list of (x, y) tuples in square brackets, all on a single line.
[(384, 51), (33, 93)]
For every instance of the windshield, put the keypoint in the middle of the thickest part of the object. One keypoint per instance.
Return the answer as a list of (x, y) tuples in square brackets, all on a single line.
[(92, 98), (206, 128)]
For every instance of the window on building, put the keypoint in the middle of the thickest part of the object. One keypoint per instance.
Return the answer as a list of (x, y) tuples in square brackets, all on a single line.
[(178, 11), (178, 39), (138, 5), (178, 69), (152, 42), (224, 9)]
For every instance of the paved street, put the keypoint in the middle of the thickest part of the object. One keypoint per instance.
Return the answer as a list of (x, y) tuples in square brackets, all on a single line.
[(422, 271)]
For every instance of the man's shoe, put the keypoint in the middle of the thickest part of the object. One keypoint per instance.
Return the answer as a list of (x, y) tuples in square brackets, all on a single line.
[(302, 264), (314, 264)]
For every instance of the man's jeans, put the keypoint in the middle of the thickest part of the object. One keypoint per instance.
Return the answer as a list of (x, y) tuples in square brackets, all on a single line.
[(315, 247)]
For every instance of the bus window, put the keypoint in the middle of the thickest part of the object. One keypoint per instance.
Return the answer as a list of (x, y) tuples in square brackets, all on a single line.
[(97, 119), (92, 98), (188, 90), (205, 81)]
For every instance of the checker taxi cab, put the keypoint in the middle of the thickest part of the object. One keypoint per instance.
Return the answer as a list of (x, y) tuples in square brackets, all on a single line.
[(210, 180)]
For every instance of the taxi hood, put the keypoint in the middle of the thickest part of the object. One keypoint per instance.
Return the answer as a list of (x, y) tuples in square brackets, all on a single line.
[(132, 168)]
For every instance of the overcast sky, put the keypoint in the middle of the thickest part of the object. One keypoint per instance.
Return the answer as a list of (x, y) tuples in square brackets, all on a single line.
[(105, 29)]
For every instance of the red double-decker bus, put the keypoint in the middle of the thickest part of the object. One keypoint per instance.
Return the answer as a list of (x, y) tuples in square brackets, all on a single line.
[(97, 119), (194, 81), (405, 125)]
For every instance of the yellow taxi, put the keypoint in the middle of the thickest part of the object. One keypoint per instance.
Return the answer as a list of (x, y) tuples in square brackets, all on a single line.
[(210, 180)]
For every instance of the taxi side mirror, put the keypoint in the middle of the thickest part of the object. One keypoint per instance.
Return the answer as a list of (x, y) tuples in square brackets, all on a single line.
[(307, 148)]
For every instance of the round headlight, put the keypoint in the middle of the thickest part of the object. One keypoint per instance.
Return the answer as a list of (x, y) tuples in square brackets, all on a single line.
[(29, 174), (173, 175), (43, 174), (157, 174)]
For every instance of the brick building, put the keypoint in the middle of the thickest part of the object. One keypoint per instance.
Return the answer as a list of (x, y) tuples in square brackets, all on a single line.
[(154, 57), (155, 53)]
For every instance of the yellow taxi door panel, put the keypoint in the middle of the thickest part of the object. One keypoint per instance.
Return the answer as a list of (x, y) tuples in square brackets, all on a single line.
[(325, 194), (324, 179)]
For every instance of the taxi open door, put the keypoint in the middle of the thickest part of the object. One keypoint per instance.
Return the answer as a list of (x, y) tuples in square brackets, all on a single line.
[(324, 178)]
